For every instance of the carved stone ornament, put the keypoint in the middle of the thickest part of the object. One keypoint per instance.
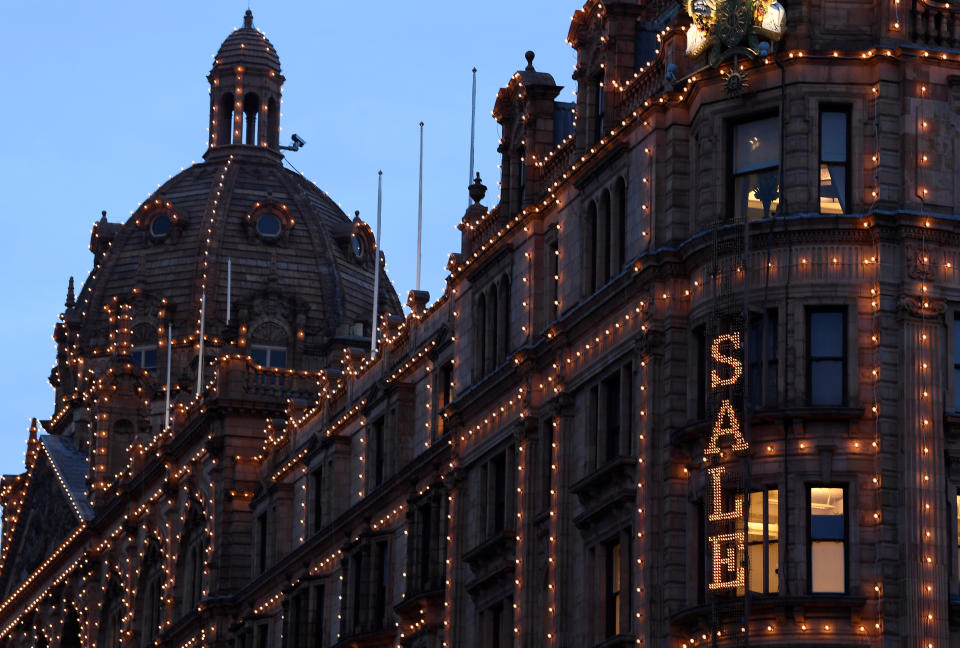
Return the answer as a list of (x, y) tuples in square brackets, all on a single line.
[(721, 26), (927, 307), (917, 267)]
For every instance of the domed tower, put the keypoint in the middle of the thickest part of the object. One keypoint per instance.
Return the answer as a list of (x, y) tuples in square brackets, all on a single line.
[(245, 87), (234, 257)]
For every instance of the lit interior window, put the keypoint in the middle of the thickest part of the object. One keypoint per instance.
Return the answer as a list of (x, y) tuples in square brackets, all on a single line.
[(827, 544), (833, 162), (763, 535), (756, 168)]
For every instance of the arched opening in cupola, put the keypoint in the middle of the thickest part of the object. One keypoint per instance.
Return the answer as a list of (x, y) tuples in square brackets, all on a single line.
[(251, 109), (224, 119)]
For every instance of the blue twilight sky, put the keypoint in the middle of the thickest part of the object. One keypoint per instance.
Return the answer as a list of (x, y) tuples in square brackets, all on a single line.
[(107, 99)]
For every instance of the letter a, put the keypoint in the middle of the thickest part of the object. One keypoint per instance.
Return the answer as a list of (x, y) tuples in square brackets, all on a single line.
[(726, 424)]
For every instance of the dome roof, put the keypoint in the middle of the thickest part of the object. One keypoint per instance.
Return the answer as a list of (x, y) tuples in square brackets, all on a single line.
[(248, 46), (296, 266)]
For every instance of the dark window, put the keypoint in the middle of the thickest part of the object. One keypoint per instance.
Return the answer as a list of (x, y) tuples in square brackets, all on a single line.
[(263, 636), (319, 593), (645, 45), (496, 625), (834, 162), (297, 627), (756, 162), (563, 121), (382, 582), (522, 172), (160, 225), (762, 359), (590, 249), (828, 528), (357, 568), (546, 464), (262, 541), (426, 545), (611, 390), (316, 500), (499, 468), (612, 595), (269, 356), (378, 453), (145, 357), (481, 328), (619, 251), (826, 376), (268, 226), (225, 120), (763, 541), (701, 514), (956, 363)]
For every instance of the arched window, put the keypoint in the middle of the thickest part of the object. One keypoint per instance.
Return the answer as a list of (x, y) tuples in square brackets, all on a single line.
[(191, 559), (268, 346), (111, 623), (251, 108), (503, 326), (149, 613), (70, 635), (620, 222), (225, 119), (481, 349), (590, 249), (604, 242), (490, 326)]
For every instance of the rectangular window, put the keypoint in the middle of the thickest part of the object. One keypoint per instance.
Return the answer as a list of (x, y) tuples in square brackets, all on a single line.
[(756, 169), (145, 357), (957, 510), (826, 375), (382, 582), (762, 359), (828, 533), (298, 624), (956, 363), (834, 162), (600, 103), (318, 607), (262, 541), (263, 636), (444, 391), (496, 625), (763, 541), (613, 587), (546, 464), (357, 568), (426, 545), (267, 356), (645, 45), (611, 441)]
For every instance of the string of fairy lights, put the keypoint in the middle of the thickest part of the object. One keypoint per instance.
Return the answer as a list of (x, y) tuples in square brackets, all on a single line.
[(815, 260)]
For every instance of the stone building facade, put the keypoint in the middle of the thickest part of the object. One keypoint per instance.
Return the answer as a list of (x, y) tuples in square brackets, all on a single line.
[(694, 381)]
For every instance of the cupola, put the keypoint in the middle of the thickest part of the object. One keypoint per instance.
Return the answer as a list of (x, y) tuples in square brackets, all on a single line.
[(245, 87)]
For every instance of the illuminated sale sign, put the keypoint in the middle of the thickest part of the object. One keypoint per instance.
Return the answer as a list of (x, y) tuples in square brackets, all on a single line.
[(726, 438)]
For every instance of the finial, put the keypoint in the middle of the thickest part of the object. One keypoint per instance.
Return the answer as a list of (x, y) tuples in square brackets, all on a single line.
[(477, 190), (103, 216), (248, 20), (71, 302), (529, 56)]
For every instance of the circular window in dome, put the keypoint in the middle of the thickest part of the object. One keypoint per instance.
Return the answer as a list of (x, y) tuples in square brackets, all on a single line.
[(268, 226), (357, 245), (160, 225)]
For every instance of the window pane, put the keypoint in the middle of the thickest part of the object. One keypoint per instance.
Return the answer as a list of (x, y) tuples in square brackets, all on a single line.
[(833, 137), (756, 195), (278, 358), (956, 341), (956, 389), (826, 335), (756, 145), (259, 355), (826, 513), (773, 567), (755, 566), (826, 382), (827, 566), (833, 188), (773, 515), (149, 359)]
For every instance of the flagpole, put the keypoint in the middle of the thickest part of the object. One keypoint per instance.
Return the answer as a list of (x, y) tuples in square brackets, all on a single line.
[(166, 415), (203, 314), (473, 125), (420, 208), (376, 268)]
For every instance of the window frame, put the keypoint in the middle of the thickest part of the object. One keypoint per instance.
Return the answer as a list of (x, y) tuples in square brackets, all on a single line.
[(845, 539), (270, 350), (764, 493), (956, 361), (732, 176), (142, 350), (845, 111), (844, 364), (769, 359)]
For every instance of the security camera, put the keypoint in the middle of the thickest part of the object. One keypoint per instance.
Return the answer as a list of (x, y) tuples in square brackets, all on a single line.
[(297, 143)]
